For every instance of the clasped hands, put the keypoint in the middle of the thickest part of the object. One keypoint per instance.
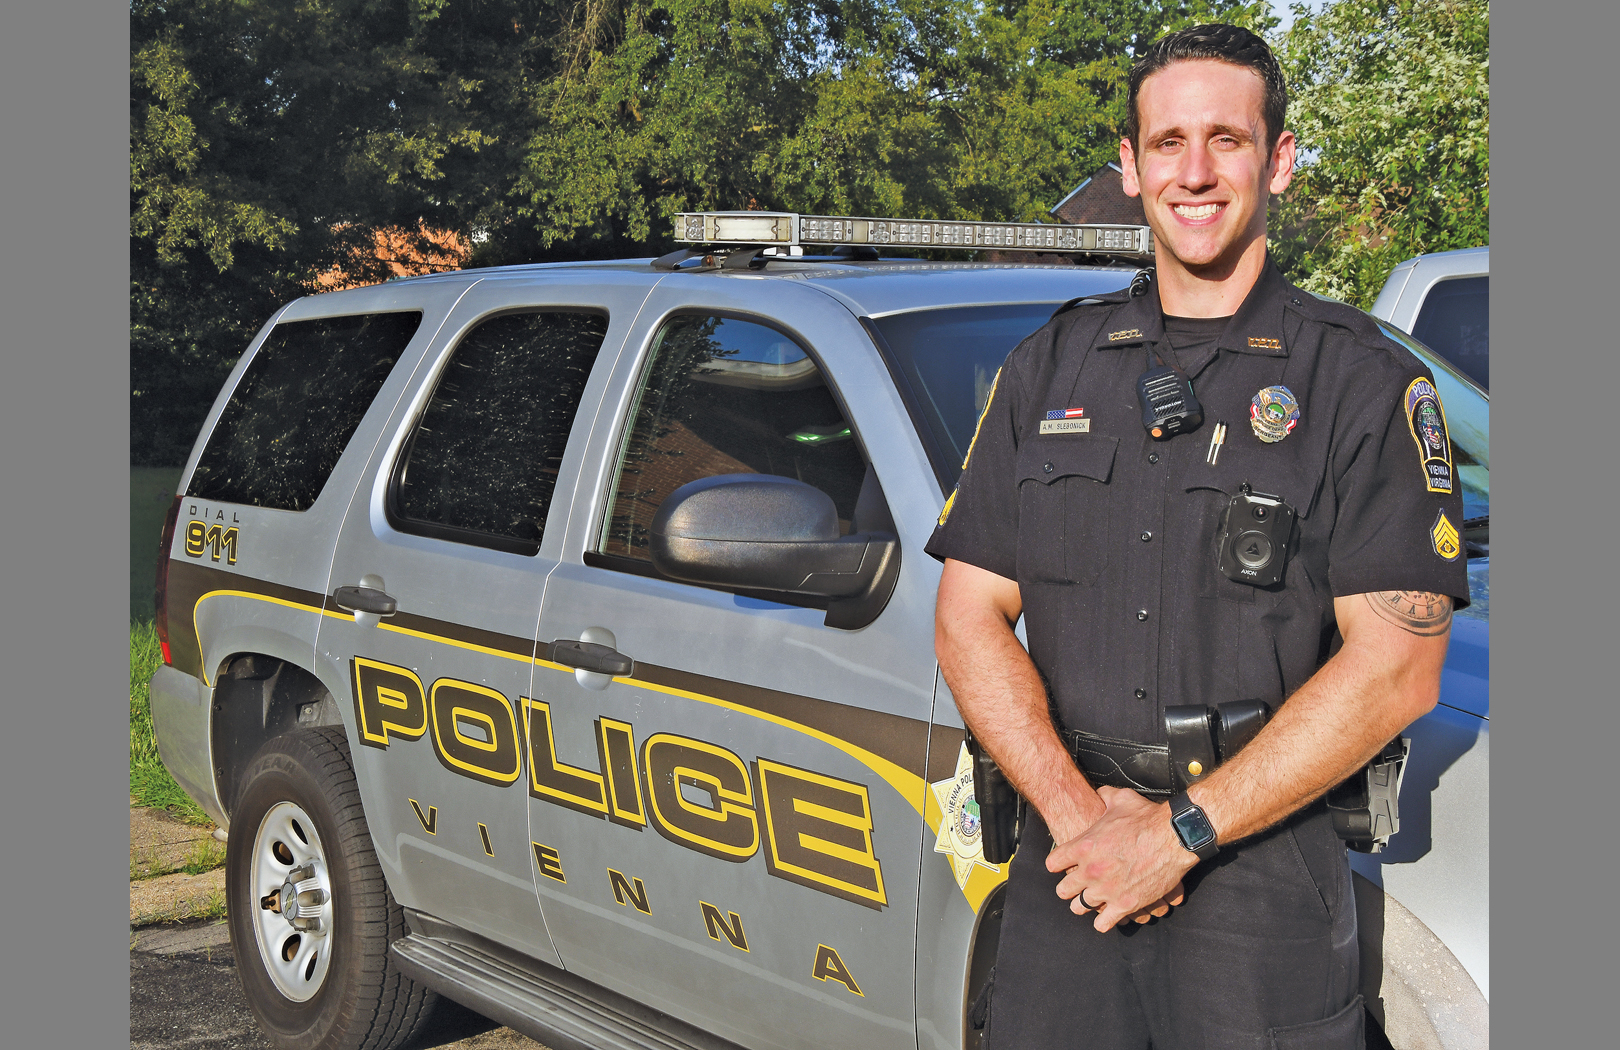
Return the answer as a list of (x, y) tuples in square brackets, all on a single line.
[(1127, 865)]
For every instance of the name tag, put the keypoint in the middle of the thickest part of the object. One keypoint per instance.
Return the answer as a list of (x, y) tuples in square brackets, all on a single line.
[(1065, 426)]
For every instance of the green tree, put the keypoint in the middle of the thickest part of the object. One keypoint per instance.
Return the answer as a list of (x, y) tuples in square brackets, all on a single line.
[(269, 142), (917, 107), (1391, 104)]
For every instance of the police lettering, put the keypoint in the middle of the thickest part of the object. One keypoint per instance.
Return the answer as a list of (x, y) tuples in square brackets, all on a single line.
[(814, 829)]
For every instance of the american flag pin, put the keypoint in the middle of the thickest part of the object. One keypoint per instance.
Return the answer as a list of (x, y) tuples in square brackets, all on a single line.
[(1065, 413)]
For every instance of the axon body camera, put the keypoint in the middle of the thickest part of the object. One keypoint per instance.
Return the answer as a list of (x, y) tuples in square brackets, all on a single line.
[(1255, 534)]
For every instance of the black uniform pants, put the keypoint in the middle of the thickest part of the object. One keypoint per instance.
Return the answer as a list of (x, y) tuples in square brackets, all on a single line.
[(1261, 955)]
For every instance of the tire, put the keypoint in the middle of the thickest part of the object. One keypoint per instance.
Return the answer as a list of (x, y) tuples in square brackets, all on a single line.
[(300, 851)]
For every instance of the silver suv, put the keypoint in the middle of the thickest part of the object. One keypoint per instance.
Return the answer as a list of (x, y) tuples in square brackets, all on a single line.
[(1444, 299), (559, 639)]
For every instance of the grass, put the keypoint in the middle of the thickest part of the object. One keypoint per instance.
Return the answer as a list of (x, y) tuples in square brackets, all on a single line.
[(149, 782), (146, 864), (212, 907), (151, 491), (209, 906), (206, 855)]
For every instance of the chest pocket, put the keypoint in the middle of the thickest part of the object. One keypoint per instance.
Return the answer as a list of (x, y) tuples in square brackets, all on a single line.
[(1063, 498), (1269, 470)]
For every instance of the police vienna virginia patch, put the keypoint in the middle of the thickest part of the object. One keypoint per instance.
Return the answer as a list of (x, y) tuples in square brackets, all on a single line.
[(1427, 421), (1444, 536)]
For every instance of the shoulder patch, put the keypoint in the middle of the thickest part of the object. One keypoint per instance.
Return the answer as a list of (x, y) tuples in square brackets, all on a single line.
[(1426, 419)]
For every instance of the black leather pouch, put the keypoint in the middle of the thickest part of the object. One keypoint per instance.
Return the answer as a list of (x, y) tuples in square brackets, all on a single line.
[(1189, 730), (1236, 723)]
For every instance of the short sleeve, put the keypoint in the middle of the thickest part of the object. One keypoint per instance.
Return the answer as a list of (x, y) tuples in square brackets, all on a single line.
[(1399, 524), (979, 524)]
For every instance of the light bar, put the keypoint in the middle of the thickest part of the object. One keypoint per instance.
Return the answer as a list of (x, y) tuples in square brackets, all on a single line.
[(769, 228)]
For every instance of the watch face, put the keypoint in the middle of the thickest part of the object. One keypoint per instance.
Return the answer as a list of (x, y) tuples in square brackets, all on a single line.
[(1194, 828)]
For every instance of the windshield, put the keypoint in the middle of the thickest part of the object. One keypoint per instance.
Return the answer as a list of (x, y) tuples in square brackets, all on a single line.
[(947, 360)]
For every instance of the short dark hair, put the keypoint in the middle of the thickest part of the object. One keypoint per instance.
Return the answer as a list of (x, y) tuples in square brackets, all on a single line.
[(1227, 43)]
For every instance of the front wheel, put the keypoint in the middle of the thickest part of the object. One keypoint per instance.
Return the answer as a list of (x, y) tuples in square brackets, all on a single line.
[(310, 916)]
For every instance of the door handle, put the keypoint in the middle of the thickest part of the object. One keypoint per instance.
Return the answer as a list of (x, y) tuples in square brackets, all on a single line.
[(589, 656), (365, 599)]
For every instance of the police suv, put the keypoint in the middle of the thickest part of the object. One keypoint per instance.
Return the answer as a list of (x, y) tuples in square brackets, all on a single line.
[(559, 639)]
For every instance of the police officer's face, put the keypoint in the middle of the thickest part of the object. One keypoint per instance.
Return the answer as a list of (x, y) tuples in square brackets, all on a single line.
[(1202, 166)]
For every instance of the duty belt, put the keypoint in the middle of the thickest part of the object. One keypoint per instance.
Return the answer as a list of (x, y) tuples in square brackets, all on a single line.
[(1199, 739)]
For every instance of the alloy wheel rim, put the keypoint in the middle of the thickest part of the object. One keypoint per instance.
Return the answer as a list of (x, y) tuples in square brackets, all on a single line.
[(291, 900)]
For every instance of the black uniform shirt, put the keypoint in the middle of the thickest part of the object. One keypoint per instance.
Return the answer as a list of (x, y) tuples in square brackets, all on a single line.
[(1112, 536)]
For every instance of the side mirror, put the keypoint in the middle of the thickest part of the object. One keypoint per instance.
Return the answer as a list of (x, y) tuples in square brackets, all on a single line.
[(765, 532)]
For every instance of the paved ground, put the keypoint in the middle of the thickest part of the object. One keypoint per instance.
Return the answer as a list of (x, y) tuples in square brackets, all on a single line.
[(183, 992), (183, 987), (159, 843)]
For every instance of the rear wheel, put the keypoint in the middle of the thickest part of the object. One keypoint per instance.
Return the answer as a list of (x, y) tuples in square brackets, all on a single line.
[(310, 916)]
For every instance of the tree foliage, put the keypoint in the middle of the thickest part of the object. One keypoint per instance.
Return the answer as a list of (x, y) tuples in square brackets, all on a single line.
[(270, 142), (1390, 100), (918, 107)]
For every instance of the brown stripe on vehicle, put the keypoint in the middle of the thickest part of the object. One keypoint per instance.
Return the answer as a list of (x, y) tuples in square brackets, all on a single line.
[(943, 750), (455, 632), (188, 582), (901, 740)]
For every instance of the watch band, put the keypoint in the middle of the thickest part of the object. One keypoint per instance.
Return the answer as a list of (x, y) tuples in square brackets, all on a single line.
[(1192, 826)]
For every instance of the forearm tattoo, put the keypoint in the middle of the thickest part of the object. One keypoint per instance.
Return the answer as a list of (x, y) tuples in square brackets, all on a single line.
[(1420, 612)]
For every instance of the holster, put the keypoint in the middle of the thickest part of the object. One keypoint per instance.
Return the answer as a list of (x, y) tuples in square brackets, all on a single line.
[(1366, 807), (1199, 739), (999, 805)]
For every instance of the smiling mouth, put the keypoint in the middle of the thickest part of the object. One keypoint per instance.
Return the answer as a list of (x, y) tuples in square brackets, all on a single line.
[(1195, 212)]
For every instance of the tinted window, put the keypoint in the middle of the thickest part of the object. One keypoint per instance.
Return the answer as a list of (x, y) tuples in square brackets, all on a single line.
[(949, 359), (482, 463), (1456, 321), (723, 396), (296, 406)]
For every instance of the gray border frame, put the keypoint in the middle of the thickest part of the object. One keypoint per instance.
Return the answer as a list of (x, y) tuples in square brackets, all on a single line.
[(1556, 719), (63, 420), (64, 425)]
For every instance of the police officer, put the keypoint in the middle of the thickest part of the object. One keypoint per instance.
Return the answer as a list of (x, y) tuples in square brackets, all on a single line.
[(1232, 925)]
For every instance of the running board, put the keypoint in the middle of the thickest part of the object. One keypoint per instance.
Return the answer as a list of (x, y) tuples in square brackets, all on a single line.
[(560, 1009)]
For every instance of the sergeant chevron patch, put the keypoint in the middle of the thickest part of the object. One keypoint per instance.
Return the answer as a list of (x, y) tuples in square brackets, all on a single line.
[(1444, 537)]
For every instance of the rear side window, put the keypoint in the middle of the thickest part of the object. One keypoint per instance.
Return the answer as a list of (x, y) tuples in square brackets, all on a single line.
[(726, 396), (1456, 322), (296, 406), (482, 464)]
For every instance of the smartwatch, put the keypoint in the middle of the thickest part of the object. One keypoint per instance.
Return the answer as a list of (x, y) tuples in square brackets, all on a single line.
[(1193, 828)]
